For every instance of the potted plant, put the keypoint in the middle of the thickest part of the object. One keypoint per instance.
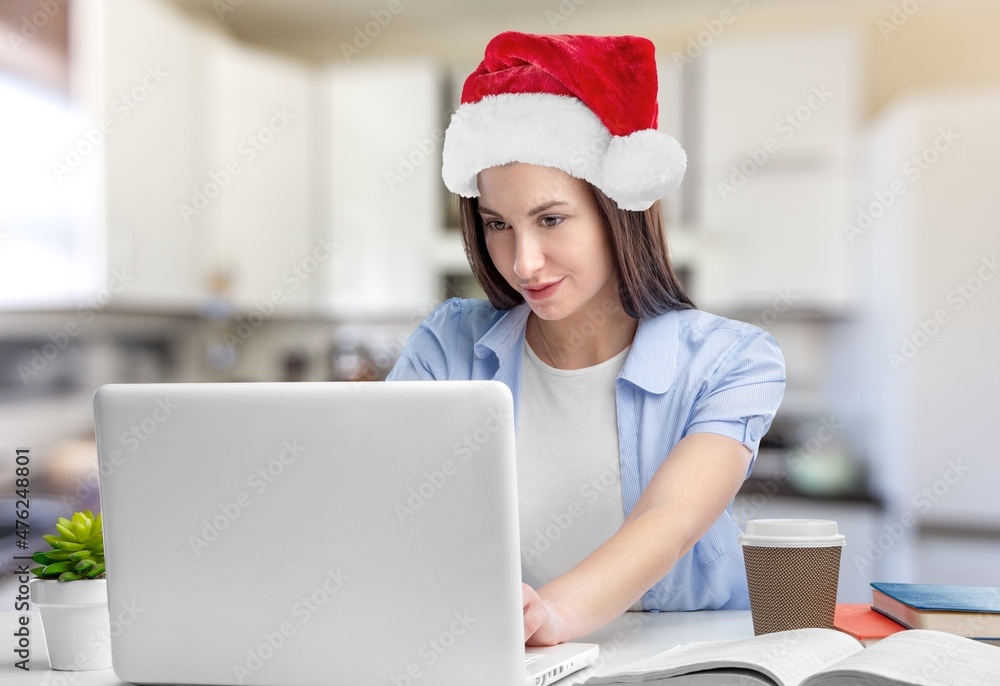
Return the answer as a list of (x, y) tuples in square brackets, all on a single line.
[(71, 594)]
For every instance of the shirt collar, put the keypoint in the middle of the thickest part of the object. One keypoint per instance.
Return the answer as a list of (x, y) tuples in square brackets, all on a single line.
[(507, 332), (651, 363), (505, 340)]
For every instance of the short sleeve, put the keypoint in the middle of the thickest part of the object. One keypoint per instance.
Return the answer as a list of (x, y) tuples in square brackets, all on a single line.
[(424, 356), (741, 397)]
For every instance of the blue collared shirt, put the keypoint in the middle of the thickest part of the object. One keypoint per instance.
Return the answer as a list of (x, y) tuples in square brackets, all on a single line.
[(688, 371)]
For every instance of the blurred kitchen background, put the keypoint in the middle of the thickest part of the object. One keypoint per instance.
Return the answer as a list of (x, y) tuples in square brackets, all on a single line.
[(246, 190)]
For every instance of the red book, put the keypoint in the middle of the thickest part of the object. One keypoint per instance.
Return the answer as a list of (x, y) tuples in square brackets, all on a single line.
[(863, 623)]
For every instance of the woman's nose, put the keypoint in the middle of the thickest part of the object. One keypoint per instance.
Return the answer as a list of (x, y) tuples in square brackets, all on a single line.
[(528, 255)]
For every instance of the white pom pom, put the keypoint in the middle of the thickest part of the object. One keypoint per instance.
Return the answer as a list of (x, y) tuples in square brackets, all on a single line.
[(641, 168)]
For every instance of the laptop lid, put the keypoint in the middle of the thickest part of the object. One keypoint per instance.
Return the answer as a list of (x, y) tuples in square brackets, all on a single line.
[(312, 533)]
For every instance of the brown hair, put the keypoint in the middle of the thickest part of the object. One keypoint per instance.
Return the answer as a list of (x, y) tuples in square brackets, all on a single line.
[(647, 284)]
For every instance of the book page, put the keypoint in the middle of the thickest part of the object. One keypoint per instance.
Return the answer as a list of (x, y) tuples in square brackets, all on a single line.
[(787, 657), (930, 658), (721, 677)]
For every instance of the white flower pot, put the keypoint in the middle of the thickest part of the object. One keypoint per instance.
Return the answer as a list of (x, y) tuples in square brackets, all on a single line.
[(75, 622)]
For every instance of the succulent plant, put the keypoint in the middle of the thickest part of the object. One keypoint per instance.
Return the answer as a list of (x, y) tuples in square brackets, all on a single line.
[(77, 551)]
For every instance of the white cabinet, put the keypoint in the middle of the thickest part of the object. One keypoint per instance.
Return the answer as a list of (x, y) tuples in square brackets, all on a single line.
[(382, 207), (796, 99), (207, 163), (227, 164), (770, 129), (134, 66), (255, 178), (780, 239)]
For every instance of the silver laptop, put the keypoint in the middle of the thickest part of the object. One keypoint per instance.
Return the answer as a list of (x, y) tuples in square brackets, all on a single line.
[(307, 534)]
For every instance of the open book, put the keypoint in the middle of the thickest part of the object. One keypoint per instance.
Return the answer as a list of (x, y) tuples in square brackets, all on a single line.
[(819, 657)]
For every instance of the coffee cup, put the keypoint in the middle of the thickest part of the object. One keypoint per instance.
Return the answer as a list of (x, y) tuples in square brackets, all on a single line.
[(792, 568)]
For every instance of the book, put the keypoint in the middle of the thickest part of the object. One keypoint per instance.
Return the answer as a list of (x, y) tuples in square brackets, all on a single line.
[(970, 611), (863, 623), (818, 657)]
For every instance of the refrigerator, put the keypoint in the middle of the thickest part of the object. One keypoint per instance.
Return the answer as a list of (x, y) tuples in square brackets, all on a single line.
[(917, 370)]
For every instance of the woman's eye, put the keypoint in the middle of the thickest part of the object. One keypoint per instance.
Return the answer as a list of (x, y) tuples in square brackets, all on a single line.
[(495, 225), (550, 220)]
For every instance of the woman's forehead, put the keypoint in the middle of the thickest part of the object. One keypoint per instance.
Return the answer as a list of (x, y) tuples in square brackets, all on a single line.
[(526, 185)]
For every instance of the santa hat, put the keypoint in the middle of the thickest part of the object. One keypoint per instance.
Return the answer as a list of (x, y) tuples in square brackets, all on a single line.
[(582, 104)]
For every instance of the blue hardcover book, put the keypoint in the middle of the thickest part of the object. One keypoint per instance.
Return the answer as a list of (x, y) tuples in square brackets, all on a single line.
[(971, 611)]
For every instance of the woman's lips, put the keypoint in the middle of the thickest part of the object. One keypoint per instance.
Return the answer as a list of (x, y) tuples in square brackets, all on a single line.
[(541, 293)]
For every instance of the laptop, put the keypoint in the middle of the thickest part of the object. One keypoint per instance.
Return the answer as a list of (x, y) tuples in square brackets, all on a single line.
[(307, 534)]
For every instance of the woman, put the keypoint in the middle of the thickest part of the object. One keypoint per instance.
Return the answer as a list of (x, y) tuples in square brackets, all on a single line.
[(637, 416)]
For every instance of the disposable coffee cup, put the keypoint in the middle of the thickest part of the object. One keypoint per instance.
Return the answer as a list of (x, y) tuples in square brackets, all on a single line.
[(793, 567)]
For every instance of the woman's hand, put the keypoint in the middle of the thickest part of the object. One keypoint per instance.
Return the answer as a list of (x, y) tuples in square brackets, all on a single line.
[(544, 623)]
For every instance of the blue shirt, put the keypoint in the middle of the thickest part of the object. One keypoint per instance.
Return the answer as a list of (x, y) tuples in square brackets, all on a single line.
[(688, 371)]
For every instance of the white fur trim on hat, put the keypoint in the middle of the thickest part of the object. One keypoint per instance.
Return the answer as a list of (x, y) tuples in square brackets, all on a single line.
[(559, 131)]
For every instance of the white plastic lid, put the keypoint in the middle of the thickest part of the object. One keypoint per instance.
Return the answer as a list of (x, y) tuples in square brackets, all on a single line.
[(792, 533)]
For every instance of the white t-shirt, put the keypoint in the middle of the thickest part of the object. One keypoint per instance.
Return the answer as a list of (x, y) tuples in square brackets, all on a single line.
[(568, 471)]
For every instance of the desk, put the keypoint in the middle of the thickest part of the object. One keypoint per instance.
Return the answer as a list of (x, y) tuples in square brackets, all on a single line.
[(631, 637)]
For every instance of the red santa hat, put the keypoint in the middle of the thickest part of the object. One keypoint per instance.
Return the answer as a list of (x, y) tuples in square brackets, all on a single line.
[(582, 104)]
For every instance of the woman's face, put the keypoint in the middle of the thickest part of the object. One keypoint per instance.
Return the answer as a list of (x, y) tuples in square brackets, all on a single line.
[(545, 235)]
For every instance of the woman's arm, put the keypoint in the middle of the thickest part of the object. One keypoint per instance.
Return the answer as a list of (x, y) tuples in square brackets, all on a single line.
[(693, 486)]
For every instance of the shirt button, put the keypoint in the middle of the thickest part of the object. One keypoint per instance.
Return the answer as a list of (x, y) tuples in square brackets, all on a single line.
[(650, 595)]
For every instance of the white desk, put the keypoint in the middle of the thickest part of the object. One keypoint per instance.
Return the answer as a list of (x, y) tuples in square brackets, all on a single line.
[(631, 637)]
